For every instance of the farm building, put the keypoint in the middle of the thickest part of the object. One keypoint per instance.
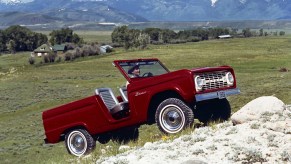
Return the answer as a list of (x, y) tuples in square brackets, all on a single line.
[(44, 49), (224, 36), (60, 48), (106, 48)]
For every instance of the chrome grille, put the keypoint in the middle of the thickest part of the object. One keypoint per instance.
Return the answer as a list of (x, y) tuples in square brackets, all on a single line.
[(214, 80)]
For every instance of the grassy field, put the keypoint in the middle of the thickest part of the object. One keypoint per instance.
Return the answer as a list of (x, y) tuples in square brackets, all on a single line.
[(89, 36), (26, 91)]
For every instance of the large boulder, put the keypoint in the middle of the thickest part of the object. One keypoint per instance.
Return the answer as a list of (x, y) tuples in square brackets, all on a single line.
[(254, 110)]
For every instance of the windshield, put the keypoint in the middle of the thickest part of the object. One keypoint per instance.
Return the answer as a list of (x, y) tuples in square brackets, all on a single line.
[(143, 68)]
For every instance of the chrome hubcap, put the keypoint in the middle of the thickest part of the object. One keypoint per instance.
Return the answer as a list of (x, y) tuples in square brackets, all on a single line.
[(77, 143), (172, 118)]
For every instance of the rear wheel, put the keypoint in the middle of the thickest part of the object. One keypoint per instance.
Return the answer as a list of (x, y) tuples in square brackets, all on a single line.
[(173, 115), (213, 110), (79, 142)]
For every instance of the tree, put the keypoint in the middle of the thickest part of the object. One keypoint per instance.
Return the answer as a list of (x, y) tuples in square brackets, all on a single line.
[(167, 35), (76, 39), (215, 32), (120, 35), (247, 32), (234, 31), (154, 33), (12, 46), (2, 41), (281, 33), (129, 38), (143, 39), (23, 38), (185, 34), (261, 32), (65, 35), (266, 33), (18, 35)]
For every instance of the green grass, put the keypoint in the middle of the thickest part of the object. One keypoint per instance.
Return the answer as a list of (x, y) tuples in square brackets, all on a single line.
[(26, 91), (89, 36), (95, 36)]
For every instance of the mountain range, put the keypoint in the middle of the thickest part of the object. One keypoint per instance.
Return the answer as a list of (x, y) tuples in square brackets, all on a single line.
[(30, 12)]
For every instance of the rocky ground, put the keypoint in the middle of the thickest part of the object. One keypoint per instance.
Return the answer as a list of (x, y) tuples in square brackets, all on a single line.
[(260, 132)]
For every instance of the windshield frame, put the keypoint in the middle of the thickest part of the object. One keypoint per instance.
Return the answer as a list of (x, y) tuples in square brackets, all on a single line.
[(118, 64)]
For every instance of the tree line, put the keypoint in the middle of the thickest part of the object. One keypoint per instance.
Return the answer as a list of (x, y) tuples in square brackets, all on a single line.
[(134, 38), (17, 38)]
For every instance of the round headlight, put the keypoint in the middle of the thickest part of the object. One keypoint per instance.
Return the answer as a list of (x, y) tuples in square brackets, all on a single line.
[(199, 82), (229, 78)]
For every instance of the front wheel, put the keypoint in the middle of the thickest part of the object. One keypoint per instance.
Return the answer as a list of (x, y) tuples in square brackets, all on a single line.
[(173, 115), (79, 142)]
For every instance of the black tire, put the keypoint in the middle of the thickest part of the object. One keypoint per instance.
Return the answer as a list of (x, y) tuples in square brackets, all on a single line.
[(213, 110), (126, 135), (173, 115), (104, 139), (79, 142)]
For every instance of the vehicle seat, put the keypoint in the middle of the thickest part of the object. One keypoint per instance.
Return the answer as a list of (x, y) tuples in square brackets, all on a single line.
[(116, 109), (123, 93)]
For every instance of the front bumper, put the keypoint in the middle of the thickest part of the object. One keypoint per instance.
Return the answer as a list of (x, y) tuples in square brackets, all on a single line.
[(218, 94)]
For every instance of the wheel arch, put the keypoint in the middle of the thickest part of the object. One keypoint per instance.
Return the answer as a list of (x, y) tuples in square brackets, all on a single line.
[(65, 132), (156, 99)]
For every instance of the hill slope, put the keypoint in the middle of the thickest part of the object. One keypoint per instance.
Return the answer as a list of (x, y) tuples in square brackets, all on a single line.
[(154, 10), (266, 139), (205, 10), (65, 11)]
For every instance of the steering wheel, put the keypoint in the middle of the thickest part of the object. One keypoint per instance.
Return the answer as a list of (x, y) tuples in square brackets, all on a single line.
[(147, 74)]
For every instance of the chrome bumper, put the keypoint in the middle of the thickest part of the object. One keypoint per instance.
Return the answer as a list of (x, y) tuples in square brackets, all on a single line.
[(218, 94)]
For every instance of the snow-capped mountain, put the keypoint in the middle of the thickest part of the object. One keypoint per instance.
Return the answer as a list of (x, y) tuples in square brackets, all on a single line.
[(196, 10), (64, 11), (14, 2), (152, 10)]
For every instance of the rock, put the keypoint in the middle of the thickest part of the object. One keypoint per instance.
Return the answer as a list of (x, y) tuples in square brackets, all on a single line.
[(193, 162), (286, 153), (148, 145), (280, 126), (254, 109), (263, 140)]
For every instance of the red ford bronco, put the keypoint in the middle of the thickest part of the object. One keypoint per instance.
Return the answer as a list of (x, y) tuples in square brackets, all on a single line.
[(154, 95)]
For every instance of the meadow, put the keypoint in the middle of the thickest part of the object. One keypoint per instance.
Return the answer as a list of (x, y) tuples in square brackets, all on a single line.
[(27, 90), (88, 36)]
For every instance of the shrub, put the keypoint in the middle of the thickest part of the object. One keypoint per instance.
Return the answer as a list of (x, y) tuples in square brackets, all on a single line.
[(79, 52), (59, 59), (283, 70), (68, 56), (116, 45), (70, 46), (85, 50), (192, 39), (46, 59), (156, 42), (52, 56), (177, 41), (90, 50), (31, 60)]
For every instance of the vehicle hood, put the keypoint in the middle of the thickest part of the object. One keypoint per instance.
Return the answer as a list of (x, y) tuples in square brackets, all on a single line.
[(210, 69)]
